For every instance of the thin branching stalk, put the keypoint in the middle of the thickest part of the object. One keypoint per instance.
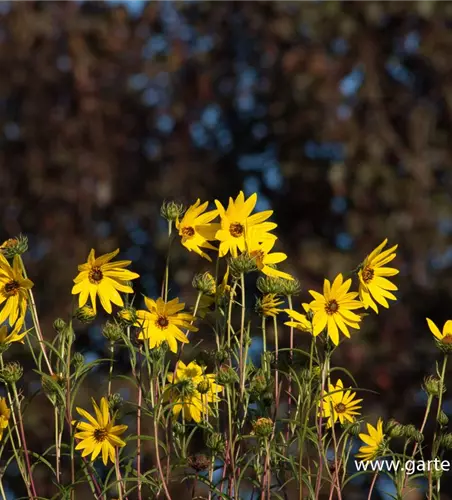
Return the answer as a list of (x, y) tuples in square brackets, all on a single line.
[(57, 445), (242, 360), (110, 372), (118, 475), (372, 485)]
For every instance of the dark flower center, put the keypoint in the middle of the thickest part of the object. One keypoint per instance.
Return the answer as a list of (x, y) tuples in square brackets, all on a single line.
[(188, 232), (162, 322), (340, 408), (367, 274), (95, 275), (332, 307), (236, 229), (12, 287), (100, 435)]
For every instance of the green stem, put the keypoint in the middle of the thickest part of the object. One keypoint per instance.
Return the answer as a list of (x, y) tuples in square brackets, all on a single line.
[(112, 360), (242, 361), (170, 229)]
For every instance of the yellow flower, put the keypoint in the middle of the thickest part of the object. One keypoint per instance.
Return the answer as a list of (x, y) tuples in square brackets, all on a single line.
[(163, 322), (195, 229), (262, 256), (339, 404), (5, 413), (13, 290), (333, 309), (236, 220), (192, 391), (99, 434), (373, 286), (299, 321), (268, 305), (13, 336), (99, 276), (374, 442), (444, 337)]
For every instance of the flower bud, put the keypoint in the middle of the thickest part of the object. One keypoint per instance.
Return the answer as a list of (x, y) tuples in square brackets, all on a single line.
[(267, 399), (433, 386), (222, 355), (128, 316), (226, 375), (291, 288), (267, 284), (11, 373), (199, 462), (14, 246), (59, 325), (443, 419), (171, 211), (446, 441), (78, 360), (85, 314), (115, 402), (242, 264), (204, 283), (395, 429), (258, 385), (410, 431), (112, 331), (354, 428), (204, 386), (50, 386), (215, 442), (263, 427)]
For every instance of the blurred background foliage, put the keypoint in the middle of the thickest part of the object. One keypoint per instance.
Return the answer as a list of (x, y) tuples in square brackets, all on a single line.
[(337, 113)]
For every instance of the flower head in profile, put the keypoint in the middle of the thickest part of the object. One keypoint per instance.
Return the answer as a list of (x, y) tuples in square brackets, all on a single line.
[(334, 309), (103, 278), (340, 404), (444, 338), (236, 220), (192, 391), (298, 320), (268, 305), (163, 322), (265, 260), (374, 442), (5, 413), (99, 433), (13, 290), (8, 338), (196, 230), (373, 283)]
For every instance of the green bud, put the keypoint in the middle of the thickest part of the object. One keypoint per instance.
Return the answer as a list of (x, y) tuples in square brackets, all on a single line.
[(11, 373), (204, 386), (59, 325), (204, 283), (215, 443), (226, 375), (222, 355), (258, 384), (446, 441), (267, 284), (112, 331), (199, 462), (444, 345), (395, 429), (443, 419), (178, 429), (242, 264), (171, 211), (128, 316), (49, 385), (267, 399), (14, 246), (433, 386), (263, 427), (353, 429), (85, 314), (411, 432), (78, 360), (115, 402), (291, 288)]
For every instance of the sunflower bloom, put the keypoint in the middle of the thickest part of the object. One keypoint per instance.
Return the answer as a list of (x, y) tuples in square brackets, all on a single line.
[(13, 290), (298, 321), (263, 258), (373, 285), (268, 305), (236, 220), (334, 309), (163, 322), (374, 442), (100, 277), (6, 339), (195, 229), (192, 391), (99, 434), (339, 404), (5, 413)]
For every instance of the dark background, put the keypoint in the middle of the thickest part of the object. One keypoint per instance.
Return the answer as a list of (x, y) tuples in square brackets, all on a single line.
[(337, 113)]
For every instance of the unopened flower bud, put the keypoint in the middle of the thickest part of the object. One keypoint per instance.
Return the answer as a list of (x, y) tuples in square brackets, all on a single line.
[(78, 360), (11, 373), (267, 284), (291, 288), (171, 211), (395, 429), (215, 442), (59, 325), (443, 419), (410, 431), (226, 375), (85, 314), (433, 386), (14, 246), (112, 331), (222, 355), (52, 385), (353, 429), (204, 386), (127, 316), (204, 283), (258, 384), (446, 441), (115, 402), (263, 427)]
